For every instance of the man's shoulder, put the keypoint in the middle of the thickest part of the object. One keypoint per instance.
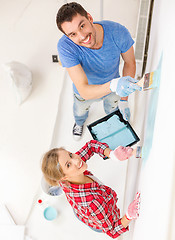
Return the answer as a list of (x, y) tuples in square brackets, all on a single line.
[(109, 24), (63, 40), (66, 43)]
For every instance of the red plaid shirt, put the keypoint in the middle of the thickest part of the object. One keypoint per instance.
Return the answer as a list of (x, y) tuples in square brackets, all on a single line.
[(93, 203)]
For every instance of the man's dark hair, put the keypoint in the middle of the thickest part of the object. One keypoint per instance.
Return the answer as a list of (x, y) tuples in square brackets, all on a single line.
[(67, 12)]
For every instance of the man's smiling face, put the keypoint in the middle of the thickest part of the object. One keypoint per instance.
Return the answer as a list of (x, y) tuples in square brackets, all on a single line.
[(81, 31)]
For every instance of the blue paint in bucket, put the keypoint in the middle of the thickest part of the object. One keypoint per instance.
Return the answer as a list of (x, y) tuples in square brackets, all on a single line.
[(50, 213)]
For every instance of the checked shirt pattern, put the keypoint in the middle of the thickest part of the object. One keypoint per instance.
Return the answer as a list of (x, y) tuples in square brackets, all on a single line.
[(95, 204)]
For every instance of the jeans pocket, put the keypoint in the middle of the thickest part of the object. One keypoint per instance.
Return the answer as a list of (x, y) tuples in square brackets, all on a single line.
[(79, 98)]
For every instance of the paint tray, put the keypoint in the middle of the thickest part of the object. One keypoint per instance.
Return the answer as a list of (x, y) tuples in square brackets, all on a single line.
[(113, 130)]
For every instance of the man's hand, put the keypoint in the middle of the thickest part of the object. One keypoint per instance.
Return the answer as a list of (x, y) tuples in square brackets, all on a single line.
[(124, 109), (124, 86)]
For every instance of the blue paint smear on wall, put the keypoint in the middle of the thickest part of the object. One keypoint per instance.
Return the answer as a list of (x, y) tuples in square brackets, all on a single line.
[(153, 101)]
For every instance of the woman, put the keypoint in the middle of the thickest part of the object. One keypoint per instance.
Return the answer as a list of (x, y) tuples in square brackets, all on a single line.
[(93, 202)]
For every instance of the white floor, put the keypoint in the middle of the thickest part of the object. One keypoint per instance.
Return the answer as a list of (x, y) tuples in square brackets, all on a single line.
[(28, 130), (113, 174)]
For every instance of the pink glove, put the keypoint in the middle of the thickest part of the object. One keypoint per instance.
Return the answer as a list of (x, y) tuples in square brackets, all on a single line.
[(134, 208), (121, 153)]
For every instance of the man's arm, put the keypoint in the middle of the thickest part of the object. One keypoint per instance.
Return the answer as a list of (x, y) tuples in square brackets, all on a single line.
[(85, 90), (129, 68)]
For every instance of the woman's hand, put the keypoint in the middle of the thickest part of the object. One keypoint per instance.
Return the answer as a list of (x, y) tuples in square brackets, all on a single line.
[(121, 153), (134, 208)]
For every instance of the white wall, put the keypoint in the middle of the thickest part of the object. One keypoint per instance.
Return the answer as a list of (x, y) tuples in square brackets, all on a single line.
[(157, 217), (123, 11)]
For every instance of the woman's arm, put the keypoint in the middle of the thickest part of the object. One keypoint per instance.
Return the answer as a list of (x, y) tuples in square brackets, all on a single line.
[(107, 152), (91, 147), (125, 222)]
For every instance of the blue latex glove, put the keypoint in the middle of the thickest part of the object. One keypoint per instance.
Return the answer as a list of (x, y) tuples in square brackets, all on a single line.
[(124, 86), (124, 109)]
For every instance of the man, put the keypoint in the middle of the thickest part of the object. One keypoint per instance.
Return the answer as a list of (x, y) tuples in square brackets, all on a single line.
[(91, 54)]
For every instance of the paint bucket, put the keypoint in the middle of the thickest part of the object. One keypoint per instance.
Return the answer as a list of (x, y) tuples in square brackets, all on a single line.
[(52, 191), (50, 213)]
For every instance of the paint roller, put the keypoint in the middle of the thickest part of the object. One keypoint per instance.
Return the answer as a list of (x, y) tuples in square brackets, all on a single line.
[(137, 152)]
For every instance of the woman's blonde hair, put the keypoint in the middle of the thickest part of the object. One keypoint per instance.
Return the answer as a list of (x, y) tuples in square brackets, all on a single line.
[(51, 168)]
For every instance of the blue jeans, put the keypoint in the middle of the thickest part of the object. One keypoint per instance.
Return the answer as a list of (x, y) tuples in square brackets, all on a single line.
[(81, 106), (94, 229)]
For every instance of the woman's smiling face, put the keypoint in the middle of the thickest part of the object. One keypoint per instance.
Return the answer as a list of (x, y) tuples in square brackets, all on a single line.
[(72, 165)]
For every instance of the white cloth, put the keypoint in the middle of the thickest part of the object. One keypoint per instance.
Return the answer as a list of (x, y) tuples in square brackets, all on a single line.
[(12, 232), (8, 229)]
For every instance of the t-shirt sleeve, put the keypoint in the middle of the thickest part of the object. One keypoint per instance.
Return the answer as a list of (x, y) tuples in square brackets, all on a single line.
[(68, 53), (122, 37)]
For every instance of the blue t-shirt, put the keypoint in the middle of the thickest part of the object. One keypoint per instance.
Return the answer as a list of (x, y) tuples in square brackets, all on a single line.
[(100, 65)]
